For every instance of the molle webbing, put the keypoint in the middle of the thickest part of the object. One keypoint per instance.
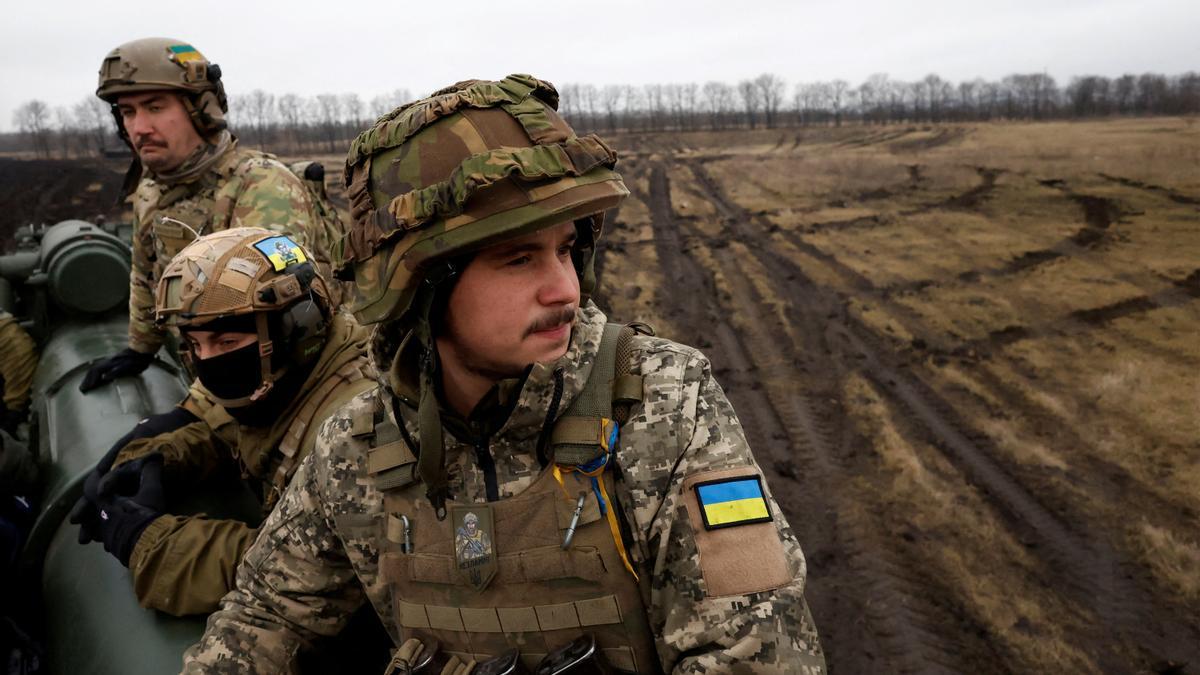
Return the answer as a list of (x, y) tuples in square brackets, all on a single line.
[(609, 393), (293, 439)]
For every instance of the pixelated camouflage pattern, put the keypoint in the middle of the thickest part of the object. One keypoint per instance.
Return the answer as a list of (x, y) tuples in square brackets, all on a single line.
[(317, 558), (18, 360), (476, 163), (244, 188), (184, 564)]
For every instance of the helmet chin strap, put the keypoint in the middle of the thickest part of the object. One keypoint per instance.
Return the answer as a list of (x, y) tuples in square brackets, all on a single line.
[(431, 463), (268, 377)]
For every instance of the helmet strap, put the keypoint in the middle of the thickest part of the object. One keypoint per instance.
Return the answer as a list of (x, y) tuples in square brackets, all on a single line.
[(133, 175), (431, 464)]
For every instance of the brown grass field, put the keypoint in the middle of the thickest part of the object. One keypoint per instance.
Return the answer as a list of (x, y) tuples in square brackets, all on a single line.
[(967, 358)]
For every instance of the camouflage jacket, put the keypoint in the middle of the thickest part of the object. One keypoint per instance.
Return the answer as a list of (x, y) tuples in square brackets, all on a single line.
[(317, 558), (18, 360), (243, 188), (184, 564)]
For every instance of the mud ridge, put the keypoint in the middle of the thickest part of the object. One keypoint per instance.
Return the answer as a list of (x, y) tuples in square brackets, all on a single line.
[(1173, 195), (1099, 214)]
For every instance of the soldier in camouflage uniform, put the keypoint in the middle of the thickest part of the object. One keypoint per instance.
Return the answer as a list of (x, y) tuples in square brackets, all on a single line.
[(18, 360), (275, 359), (605, 466), (189, 178)]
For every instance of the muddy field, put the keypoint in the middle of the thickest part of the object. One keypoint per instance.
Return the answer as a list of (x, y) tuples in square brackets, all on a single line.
[(966, 356)]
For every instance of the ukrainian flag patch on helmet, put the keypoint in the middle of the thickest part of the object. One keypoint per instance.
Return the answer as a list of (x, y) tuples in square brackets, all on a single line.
[(184, 53), (728, 502), (281, 251)]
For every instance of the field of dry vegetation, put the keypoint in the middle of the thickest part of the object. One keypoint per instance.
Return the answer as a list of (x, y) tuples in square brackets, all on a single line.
[(967, 359)]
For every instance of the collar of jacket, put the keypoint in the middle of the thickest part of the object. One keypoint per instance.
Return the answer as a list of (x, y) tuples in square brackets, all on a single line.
[(534, 397), (347, 341), (216, 154)]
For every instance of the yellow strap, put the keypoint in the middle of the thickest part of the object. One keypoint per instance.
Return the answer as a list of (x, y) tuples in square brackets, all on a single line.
[(610, 511)]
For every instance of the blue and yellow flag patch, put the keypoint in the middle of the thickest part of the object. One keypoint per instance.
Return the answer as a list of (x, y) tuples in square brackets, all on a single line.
[(184, 53), (728, 502), (281, 251)]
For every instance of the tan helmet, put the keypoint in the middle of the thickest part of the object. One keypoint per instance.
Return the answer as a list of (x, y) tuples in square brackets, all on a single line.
[(263, 282), (155, 64)]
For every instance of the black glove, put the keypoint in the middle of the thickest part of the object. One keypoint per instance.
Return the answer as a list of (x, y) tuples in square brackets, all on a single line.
[(118, 506), (123, 363), (85, 513)]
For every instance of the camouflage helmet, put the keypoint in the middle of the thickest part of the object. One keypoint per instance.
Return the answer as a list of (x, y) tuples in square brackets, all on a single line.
[(222, 278), (155, 64), (474, 164)]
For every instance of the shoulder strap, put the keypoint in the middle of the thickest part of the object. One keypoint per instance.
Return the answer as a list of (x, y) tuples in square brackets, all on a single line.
[(583, 432), (293, 438)]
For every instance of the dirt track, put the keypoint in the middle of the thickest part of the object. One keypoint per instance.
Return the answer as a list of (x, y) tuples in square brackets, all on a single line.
[(785, 346)]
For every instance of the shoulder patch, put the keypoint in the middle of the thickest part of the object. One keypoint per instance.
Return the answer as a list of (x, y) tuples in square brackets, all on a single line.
[(730, 502), (739, 546)]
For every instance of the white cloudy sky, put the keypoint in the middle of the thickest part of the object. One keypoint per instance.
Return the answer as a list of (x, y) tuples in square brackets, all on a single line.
[(51, 49)]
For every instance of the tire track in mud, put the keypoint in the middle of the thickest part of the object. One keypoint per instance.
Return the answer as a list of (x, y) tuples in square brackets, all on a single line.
[(1089, 572), (1174, 195), (905, 624)]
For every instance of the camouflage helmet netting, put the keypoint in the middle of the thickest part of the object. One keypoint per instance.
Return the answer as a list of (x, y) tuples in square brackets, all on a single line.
[(476, 163)]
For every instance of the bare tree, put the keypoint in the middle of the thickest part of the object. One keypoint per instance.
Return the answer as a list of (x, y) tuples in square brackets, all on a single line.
[(352, 112), (260, 109), (610, 98), (386, 103), (751, 103), (33, 119), (718, 100), (838, 95), (66, 131), (328, 108), (94, 118), (291, 109), (770, 94)]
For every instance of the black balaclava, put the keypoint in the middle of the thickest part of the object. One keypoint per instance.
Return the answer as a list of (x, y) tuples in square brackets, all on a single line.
[(236, 374)]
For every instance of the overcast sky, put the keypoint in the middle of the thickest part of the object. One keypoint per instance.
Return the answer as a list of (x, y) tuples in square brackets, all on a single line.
[(52, 49)]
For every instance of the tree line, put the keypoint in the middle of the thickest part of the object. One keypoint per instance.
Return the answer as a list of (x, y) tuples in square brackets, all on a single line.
[(294, 125)]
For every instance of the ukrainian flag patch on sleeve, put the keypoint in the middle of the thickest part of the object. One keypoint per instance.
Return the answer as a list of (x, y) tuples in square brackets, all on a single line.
[(728, 502)]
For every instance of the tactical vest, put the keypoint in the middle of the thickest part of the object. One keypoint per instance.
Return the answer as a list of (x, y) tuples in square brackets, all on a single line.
[(297, 440), (533, 571)]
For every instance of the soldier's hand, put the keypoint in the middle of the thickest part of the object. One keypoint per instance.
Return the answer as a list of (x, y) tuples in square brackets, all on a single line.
[(123, 363), (127, 500)]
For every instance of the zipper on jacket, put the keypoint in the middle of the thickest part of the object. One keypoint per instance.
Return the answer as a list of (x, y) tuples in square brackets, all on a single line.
[(483, 456)]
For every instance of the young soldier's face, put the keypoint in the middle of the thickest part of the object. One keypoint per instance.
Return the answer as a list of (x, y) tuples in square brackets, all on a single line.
[(514, 304), (159, 128)]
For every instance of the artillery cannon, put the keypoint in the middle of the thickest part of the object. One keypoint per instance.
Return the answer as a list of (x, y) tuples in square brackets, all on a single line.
[(69, 283)]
